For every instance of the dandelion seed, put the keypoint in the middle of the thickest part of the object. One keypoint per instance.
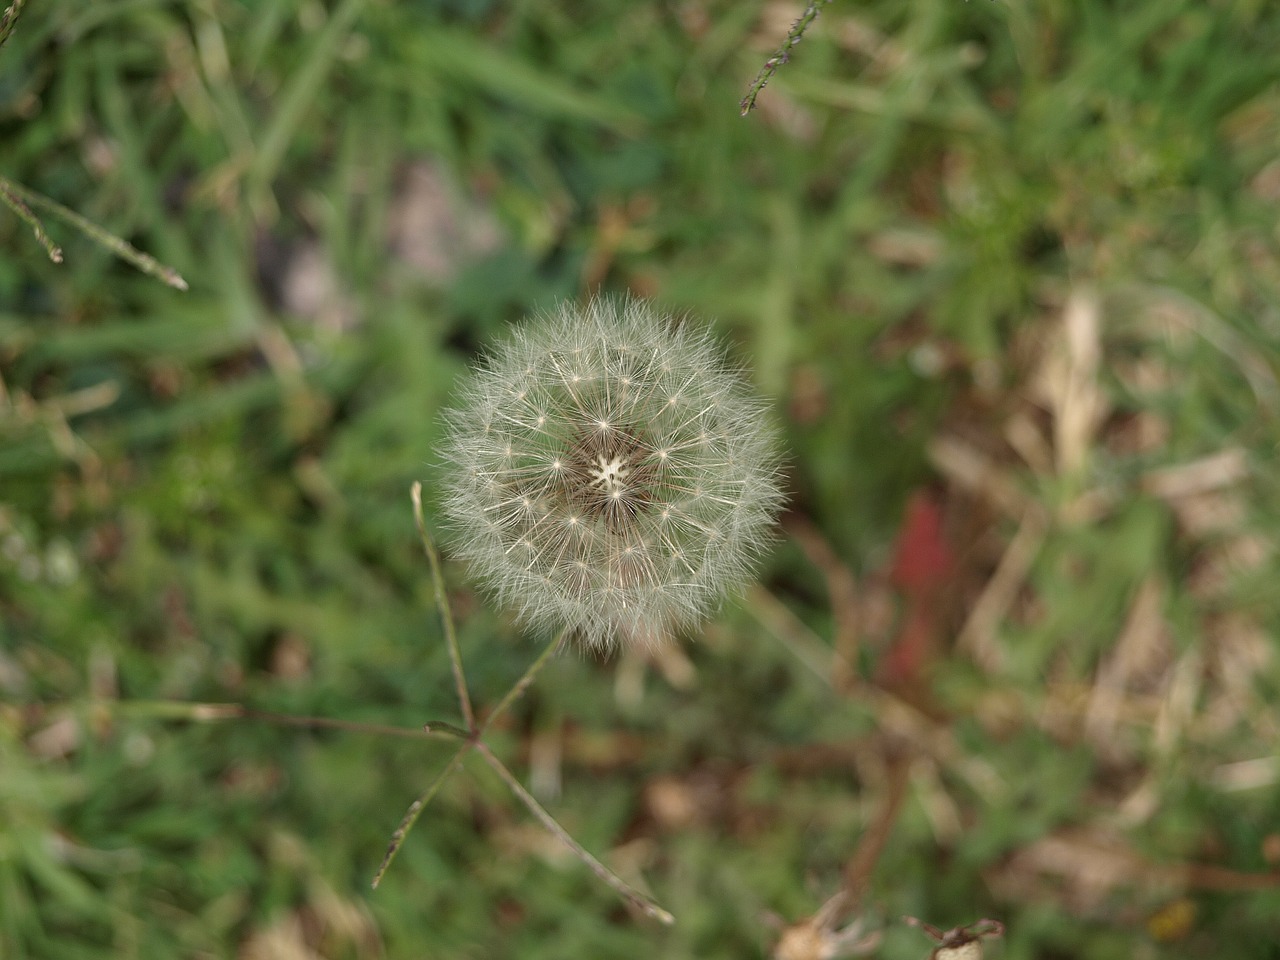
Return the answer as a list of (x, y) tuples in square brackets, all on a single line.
[(618, 489)]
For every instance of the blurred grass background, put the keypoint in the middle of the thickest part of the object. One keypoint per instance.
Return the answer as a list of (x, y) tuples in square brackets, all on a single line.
[(1011, 272)]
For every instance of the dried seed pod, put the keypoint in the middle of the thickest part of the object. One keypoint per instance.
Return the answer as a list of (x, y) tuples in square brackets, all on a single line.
[(959, 943)]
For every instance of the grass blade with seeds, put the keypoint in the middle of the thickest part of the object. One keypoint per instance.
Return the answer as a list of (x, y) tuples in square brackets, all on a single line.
[(121, 248)]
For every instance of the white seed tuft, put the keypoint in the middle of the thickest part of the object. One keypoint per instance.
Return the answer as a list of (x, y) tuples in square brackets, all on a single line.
[(605, 470)]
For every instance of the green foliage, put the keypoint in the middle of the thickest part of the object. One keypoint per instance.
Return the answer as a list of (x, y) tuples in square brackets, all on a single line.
[(204, 495)]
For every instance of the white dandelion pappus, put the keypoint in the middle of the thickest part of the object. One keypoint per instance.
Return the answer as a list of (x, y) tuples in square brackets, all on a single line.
[(607, 471)]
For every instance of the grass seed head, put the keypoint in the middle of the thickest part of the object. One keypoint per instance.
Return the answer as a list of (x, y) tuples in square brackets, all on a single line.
[(606, 470)]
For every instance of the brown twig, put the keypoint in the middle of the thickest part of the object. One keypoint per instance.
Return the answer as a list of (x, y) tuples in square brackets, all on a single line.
[(415, 811), (211, 712), (821, 935), (473, 740), (446, 614), (842, 589), (858, 871), (620, 886)]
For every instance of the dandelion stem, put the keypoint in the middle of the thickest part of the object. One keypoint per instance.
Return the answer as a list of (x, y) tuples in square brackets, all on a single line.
[(446, 613), (620, 886)]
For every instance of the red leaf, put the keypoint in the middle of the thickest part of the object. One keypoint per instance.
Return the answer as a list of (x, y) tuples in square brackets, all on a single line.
[(923, 561)]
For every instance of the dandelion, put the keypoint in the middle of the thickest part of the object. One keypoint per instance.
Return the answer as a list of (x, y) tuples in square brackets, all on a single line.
[(606, 471)]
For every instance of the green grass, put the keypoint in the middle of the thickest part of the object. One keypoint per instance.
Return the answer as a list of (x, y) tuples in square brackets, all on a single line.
[(1017, 261)]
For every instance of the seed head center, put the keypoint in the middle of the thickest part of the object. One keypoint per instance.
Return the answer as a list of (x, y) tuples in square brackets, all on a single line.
[(610, 473)]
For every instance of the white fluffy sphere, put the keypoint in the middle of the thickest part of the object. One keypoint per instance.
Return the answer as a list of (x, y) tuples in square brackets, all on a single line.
[(607, 471)]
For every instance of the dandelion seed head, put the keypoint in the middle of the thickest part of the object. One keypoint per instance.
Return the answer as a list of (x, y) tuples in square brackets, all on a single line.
[(606, 470)]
